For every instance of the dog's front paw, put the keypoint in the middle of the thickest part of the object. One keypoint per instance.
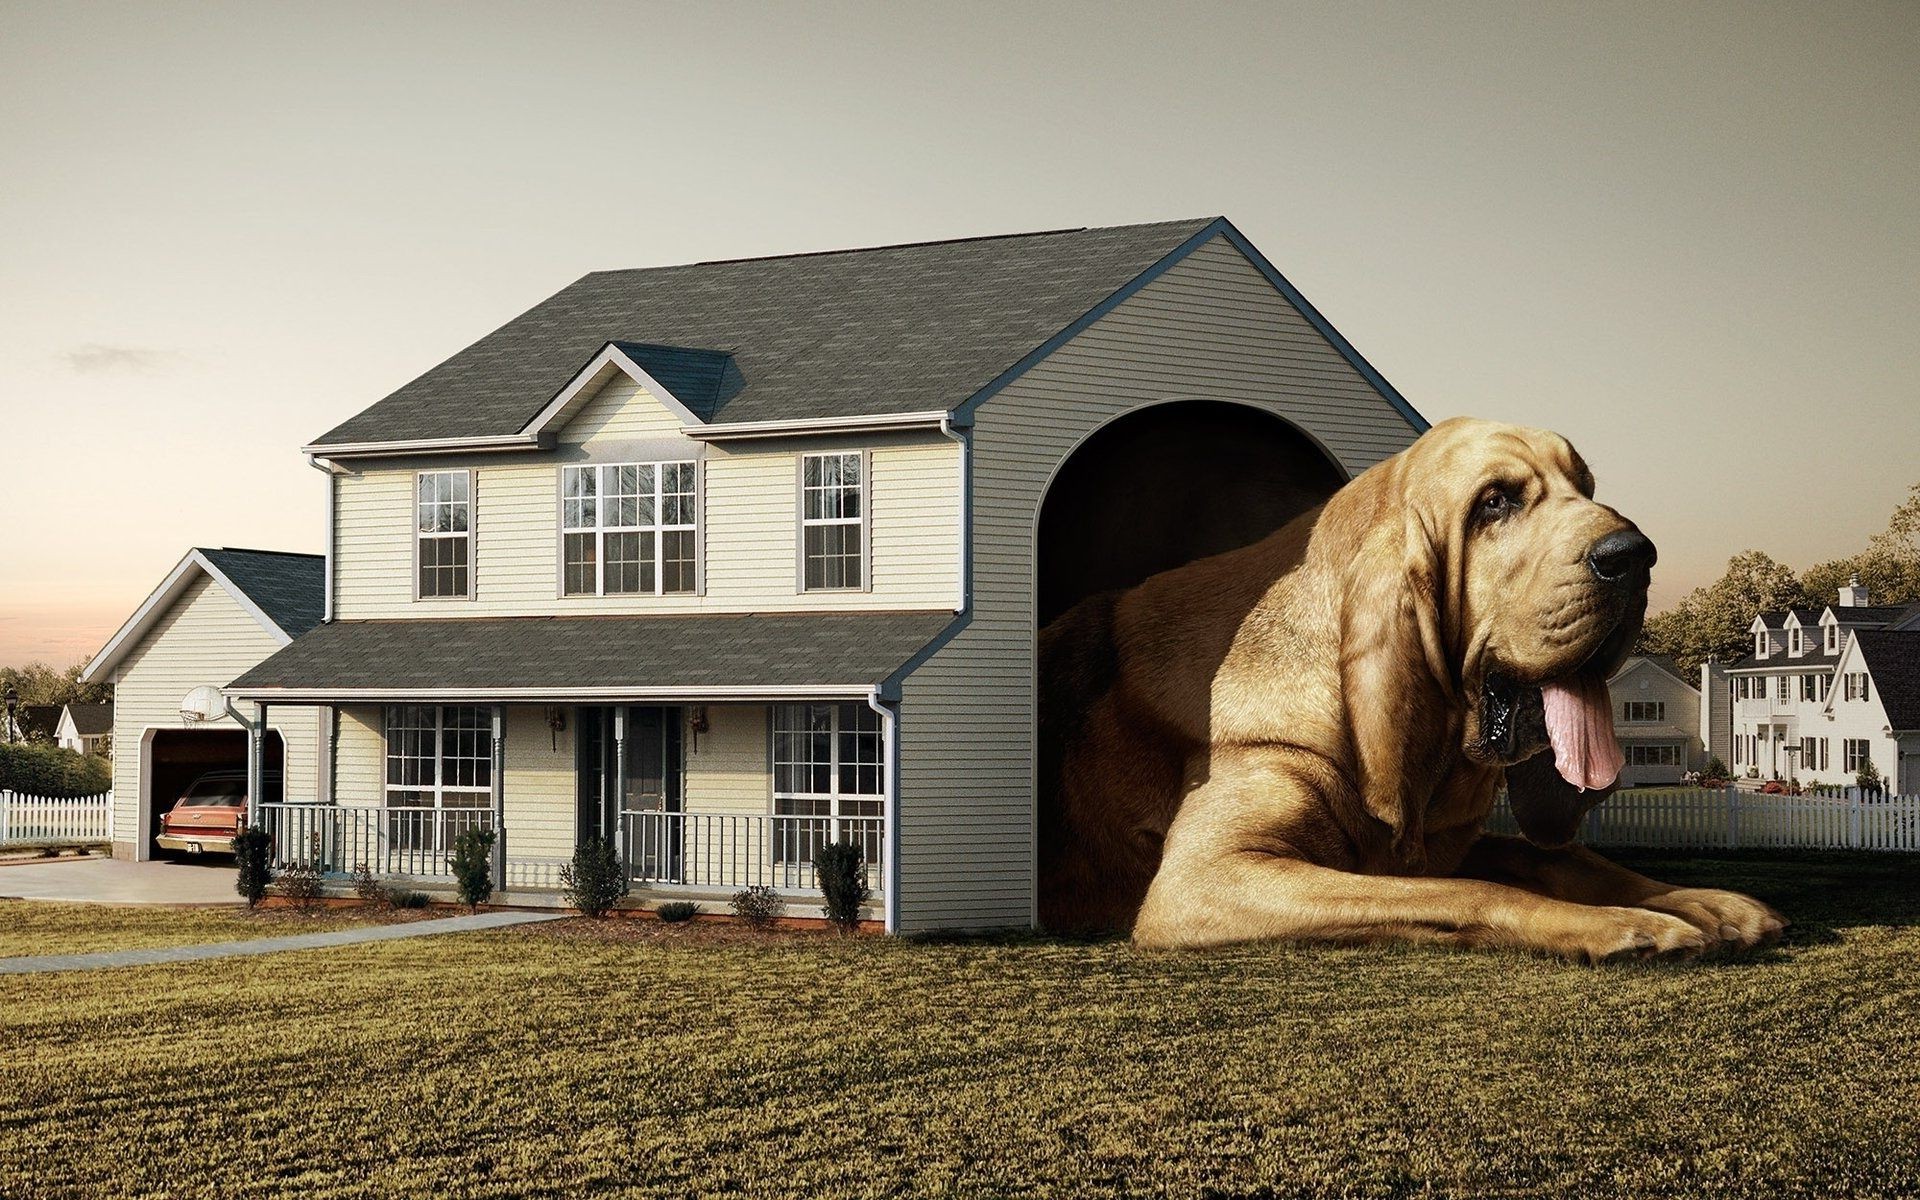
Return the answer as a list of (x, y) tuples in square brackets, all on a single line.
[(1728, 919), (1622, 933)]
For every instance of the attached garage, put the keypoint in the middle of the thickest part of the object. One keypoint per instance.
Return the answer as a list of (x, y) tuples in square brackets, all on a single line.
[(218, 614)]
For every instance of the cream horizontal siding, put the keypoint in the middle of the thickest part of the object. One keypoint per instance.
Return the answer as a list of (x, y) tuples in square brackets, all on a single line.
[(728, 769), (1211, 328), (750, 526), (203, 639), (538, 786)]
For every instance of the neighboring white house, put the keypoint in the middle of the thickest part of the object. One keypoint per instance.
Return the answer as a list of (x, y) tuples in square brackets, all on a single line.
[(86, 728), (1824, 691), (721, 561), (1656, 716)]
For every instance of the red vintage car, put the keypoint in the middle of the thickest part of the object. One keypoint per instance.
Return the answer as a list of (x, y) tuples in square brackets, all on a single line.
[(209, 814)]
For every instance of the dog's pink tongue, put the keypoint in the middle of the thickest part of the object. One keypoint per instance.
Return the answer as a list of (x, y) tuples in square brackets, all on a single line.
[(1580, 726)]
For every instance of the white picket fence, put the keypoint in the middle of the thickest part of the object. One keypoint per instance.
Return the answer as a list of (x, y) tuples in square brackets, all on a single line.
[(48, 820), (1731, 819)]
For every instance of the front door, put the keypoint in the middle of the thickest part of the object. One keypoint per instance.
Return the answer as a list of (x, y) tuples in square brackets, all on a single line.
[(655, 783)]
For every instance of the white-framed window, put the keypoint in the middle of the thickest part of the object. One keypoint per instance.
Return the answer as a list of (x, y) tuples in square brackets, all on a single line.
[(1665, 755), (439, 756), (1833, 638), (629, 529), (1760, 645), (1826, 686), (1823, 753), (1854, 755), (1785, 689), (1642, 711), (443, 537), (1794, 643), (833, 522), (1759, 687), (828, 775), (1855, 686)]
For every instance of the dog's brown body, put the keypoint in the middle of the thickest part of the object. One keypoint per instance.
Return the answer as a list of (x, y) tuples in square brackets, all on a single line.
[(1303, 738)]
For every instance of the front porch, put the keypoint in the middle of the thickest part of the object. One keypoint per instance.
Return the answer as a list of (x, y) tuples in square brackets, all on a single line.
[(697, 800)]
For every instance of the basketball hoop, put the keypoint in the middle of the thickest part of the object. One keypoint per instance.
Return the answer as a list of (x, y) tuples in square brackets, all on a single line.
[(202, 704)]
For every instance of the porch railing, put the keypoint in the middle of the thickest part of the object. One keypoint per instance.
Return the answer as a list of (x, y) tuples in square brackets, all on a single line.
[(728, 850), (341, 838)]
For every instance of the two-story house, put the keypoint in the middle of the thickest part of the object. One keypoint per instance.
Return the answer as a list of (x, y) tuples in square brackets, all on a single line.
[(723, 561), (1656, 717), (1809, 703)]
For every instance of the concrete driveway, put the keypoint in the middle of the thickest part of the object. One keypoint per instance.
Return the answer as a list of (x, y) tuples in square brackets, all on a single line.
[(106, 881)]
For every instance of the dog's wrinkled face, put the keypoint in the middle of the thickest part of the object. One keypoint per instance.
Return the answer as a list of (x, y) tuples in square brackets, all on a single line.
[(1546, 589)]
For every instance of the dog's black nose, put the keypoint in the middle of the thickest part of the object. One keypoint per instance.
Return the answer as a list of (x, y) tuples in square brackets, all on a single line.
[(1618, 555)]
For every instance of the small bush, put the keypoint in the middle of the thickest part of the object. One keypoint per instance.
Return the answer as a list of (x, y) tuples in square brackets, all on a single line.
[(759, 906), (592, 882), (300, 884), (842, 870), (408, 898), (472, 866), (370, 889), (34, 769), (1715, 769), (252, 850), (675, 911)]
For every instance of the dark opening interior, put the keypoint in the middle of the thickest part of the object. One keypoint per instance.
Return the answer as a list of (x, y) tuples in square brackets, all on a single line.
[(1166, 485), (177, 757)]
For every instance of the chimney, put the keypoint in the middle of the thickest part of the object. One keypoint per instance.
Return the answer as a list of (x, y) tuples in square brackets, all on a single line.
[(1853, 595)]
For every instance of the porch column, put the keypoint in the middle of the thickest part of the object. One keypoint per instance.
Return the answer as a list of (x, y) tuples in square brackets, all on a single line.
[(256, 738), (499, 798), (611, 822)]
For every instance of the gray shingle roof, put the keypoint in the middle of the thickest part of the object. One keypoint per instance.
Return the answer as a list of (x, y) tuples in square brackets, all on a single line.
[(893, 329), (611, 653), (1893, 658), (289, 588), (92, 720), (1781, 664)]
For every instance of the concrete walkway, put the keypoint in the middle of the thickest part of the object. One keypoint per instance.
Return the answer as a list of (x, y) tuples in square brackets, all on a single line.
[(273, 945), (107, 881)]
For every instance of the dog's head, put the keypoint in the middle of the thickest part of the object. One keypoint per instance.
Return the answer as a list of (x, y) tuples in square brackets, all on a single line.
[(1487, 597)]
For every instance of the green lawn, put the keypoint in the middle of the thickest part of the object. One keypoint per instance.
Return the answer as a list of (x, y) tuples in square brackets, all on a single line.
[(554, 1059)]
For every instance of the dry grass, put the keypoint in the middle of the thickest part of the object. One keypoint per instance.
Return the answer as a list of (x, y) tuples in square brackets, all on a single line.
[(550, 1063), (46, 927)]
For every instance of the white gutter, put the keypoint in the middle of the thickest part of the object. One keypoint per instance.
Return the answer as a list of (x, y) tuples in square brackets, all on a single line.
[(813, 425), (512, 441), (694, 694), (890, 843)]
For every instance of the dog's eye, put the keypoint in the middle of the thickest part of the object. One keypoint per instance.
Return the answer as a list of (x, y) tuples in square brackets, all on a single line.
[(1494, 504)]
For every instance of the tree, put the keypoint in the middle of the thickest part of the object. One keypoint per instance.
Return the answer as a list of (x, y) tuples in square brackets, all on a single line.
[(1712, 621), (39, 683)]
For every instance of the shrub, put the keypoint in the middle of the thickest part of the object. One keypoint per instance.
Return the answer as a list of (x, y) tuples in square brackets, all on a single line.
[(759, 906), (408, 898), (251, 851), (842, 870), (370, 889), (300, 883), (1869, 777), (675, 911), (1715, 769), (592, 882), (41, 770), (472, 866)]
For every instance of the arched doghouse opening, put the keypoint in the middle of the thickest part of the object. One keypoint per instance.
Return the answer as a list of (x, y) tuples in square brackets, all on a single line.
[(1164, 485), (1151, 490)]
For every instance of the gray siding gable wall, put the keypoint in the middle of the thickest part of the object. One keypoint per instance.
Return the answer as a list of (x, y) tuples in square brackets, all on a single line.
[(1210, 327)]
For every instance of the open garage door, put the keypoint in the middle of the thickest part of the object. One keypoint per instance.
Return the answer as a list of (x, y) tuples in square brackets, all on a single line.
[(174, 758)]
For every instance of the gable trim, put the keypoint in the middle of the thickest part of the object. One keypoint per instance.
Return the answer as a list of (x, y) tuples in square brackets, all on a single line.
[(591, 378), (160, 600), (1218, 227)]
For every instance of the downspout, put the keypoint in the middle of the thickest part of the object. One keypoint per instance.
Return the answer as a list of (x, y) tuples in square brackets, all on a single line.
[(332, 471), (890, 841), (960, 430)]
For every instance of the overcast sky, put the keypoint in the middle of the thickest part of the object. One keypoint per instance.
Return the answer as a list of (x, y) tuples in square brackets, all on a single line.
[(1685, 236)]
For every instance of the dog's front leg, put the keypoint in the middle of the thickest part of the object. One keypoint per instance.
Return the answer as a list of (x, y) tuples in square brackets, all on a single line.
[(1575, 873), (1235, 868)]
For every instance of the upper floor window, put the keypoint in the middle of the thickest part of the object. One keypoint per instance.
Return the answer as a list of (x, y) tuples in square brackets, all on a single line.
[(628, 528), (833, 522), (1833, 638), (1785, 689), (1646, 710), (1856, 686), (1759, 645), (443, 542)]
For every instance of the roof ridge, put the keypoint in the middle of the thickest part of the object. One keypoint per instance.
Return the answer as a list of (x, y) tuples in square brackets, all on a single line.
[(952, 241), (256, 550)]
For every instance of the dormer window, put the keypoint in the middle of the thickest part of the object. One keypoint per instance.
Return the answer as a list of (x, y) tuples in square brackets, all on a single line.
[(1833, 638), (1793, 640), (1759, 645)]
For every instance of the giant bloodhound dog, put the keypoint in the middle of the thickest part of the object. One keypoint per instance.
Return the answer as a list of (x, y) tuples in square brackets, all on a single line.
[(1302, 738)]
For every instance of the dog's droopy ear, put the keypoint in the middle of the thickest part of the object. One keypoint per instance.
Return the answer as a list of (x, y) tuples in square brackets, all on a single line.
[(1547, 807), (1392, 661)]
